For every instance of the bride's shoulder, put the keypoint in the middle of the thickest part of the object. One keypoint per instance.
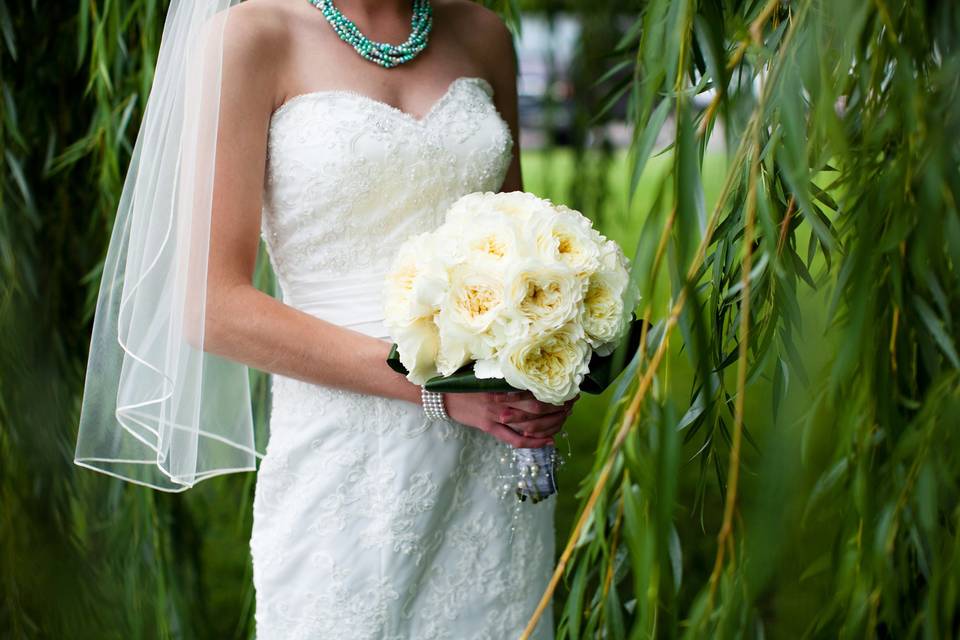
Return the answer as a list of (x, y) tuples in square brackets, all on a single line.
[(255, 47), (259, 26), (468, 13), (263, 33), (264, 27), (476, 26), (485, 37)]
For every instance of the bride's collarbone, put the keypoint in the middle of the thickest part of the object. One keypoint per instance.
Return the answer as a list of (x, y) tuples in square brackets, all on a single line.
[(390, 100), (412, 94)]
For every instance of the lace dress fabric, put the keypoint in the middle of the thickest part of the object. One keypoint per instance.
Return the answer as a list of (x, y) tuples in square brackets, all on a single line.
[(371, 521)]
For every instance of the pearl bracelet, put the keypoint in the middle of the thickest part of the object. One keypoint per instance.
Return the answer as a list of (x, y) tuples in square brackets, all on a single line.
[(433, 404)]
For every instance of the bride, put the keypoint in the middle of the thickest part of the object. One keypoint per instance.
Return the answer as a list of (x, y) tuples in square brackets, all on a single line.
[(371, 519)]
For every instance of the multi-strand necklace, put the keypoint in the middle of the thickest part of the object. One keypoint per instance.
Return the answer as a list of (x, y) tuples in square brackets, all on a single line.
[(383, 53)]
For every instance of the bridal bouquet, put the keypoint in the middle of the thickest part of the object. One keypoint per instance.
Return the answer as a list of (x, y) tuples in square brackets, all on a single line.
[(511, 292)]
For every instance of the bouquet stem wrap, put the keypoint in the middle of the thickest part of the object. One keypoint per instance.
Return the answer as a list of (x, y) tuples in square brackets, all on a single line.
[(536, 472)]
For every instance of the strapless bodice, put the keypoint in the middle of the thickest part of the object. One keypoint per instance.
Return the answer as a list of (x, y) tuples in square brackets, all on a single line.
[(348, 178)]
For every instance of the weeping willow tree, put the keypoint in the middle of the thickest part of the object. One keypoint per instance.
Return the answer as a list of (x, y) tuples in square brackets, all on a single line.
[(82, 555), (765, 470), (842, 123)]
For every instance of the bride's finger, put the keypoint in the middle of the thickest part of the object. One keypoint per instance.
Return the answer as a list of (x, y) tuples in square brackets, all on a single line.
[(512, 416), (505, 434), (535, 407), (539, 427), (534, 423), (504, 414), (512, 396)]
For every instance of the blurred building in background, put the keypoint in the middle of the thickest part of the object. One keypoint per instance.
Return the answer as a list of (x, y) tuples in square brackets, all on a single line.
[(545, 51), (558, 76)]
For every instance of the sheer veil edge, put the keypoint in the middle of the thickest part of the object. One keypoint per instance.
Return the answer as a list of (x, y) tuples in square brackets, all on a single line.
[(158, 410)]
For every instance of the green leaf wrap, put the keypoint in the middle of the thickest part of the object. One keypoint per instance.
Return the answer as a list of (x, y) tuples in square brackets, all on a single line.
[(603, 369)]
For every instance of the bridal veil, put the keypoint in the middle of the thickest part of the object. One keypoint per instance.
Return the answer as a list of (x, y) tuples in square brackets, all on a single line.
[(157, 409)]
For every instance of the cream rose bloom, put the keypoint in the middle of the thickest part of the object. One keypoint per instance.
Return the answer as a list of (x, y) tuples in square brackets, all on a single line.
[(520, 205), (569, 238), (543, 296), (475, 301), (415, 283), (604, 314), (603, 318), (418, 344), (469, 208), (611, 258), (550, 365), (495, 240), (414, 287)]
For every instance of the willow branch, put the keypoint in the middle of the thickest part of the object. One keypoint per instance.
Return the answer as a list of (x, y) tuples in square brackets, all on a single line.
[(733, 473), (631, 416), (756, 33)]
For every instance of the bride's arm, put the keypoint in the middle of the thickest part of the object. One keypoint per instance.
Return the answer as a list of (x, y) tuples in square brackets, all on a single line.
[(242, 323), (246, 325)]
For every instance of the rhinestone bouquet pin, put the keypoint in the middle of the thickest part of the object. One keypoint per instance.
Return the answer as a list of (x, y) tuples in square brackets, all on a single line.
[(512, 292)]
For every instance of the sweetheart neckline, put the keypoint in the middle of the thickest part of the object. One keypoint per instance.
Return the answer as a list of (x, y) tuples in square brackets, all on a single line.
[(421, 121)]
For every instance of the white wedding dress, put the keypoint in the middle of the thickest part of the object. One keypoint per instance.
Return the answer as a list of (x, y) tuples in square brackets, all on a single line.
[(371, 521)]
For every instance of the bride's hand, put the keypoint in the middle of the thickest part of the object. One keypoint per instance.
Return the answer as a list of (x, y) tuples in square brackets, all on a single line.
[(516, 418)]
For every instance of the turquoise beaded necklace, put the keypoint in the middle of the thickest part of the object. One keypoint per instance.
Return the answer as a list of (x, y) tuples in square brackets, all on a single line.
[(383, 53)]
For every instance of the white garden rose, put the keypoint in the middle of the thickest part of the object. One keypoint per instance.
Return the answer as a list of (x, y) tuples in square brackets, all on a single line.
[(469, 208), (603, 318), (520, 205), (415, 285), (612, 259), (550, 365), (418, 344), (453, 352), (410, 284), (475, 300), (516, 205), (569, 237), (494, 239), (543, 296)]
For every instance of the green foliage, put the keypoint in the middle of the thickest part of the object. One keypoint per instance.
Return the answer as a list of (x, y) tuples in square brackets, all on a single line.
[(769, 497), (83, 555)]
